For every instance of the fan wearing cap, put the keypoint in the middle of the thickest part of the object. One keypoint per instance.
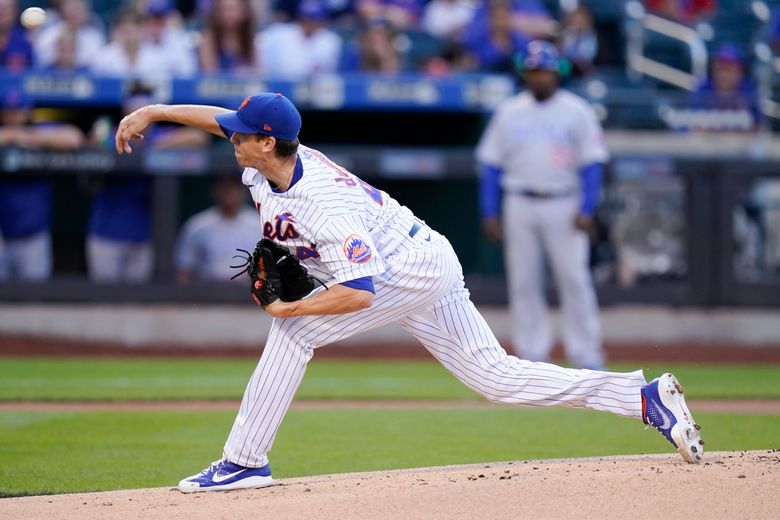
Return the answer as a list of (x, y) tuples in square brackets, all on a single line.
[(543, 151), (25, 202), (730, 91)]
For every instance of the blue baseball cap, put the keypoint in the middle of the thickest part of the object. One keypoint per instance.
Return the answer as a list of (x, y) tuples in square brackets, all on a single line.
[(541, 55), (267, 113), (312, 10), (158, 7), (728, 52)]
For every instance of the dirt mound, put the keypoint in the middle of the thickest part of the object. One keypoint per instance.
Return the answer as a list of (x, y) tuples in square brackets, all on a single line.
[(727, 485)]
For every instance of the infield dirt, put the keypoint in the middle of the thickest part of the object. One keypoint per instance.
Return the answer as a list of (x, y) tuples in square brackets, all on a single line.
[(728, 485)]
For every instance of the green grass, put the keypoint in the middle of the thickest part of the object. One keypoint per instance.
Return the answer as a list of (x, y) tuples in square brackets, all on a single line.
[(161, 379), (55, 452), (50, 452)]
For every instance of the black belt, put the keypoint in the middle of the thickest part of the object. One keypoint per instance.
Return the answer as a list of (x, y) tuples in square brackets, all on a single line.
[(540, 194)]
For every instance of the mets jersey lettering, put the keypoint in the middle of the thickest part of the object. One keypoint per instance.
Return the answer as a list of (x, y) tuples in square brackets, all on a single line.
[(340, 226), (282, 229)]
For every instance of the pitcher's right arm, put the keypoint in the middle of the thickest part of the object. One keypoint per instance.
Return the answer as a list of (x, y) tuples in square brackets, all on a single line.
[(195, 116)]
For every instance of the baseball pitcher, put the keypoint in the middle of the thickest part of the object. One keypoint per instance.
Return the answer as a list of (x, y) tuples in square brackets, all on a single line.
[(377, 264)]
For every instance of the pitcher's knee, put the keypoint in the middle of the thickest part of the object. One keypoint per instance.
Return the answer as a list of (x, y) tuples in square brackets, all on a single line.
[(499, 396)]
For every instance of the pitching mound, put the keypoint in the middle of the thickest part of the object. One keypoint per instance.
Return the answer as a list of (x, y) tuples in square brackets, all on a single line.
[(728, 485)]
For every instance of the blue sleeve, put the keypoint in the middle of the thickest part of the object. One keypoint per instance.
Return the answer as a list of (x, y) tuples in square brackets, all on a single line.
[(489, 190), (591, 186), (530, 7), (365, 283), (774, 23)]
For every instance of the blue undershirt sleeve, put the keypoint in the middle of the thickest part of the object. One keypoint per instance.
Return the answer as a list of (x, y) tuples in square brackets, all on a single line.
[(489, 190), (591, 186), (365, 283)]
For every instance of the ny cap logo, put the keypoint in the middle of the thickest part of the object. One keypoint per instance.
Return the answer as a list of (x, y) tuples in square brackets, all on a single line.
[(243, 103)]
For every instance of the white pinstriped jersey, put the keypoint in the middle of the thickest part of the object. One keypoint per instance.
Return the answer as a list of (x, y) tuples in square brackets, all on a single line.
[(340, 227), (542, 145)]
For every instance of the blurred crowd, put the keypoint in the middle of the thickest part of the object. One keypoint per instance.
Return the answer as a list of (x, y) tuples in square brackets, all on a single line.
[(296, 39), (288, 39)]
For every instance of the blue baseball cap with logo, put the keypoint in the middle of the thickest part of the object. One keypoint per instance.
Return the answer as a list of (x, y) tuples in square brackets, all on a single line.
[(267, 113), (541, 55)]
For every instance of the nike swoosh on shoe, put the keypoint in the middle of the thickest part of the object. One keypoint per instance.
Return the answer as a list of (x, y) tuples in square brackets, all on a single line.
[(667, 422), (217, 478)]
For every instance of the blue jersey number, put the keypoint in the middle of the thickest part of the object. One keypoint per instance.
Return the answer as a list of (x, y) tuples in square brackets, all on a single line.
[(346, 179)]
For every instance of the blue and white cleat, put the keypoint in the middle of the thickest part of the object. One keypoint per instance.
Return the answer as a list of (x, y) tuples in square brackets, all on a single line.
[(223, 475), (664, 408)]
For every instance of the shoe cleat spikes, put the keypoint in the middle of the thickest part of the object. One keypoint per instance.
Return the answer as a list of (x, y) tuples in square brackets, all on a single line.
[(664, 408)]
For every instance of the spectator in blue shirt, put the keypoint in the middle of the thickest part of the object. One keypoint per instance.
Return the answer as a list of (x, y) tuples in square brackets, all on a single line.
[(527, 18), (729, 91), (25, 201), (491, 40), (15, 50)]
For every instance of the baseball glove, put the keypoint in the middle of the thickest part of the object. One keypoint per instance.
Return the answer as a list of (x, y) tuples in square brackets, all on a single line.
[(275, 273)]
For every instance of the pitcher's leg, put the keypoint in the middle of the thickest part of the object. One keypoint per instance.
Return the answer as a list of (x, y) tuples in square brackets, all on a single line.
[(266, 398), (291, 345), (457, 335)]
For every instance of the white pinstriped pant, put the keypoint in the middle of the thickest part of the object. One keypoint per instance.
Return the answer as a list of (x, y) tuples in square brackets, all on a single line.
[(423, 291)]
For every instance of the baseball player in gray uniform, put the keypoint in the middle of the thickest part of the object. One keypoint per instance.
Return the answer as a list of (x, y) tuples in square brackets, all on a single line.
[(544, 149), (380, 265)]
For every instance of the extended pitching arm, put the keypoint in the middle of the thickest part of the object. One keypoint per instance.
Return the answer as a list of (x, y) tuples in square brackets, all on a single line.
[(195, 116)]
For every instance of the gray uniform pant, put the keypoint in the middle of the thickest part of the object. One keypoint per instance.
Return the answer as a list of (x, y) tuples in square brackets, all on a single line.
[(534, 228)]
